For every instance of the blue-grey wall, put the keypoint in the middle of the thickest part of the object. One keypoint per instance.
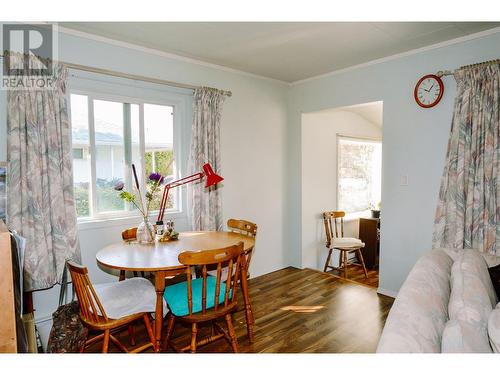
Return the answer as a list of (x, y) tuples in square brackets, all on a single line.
[(414, 144)]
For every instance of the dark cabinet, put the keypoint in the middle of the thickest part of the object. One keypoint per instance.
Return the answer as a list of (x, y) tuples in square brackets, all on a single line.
[(369, 230)]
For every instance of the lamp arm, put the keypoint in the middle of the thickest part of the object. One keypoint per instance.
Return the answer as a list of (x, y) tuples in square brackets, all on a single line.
[(182, 181), (186, 180), (163, 202)]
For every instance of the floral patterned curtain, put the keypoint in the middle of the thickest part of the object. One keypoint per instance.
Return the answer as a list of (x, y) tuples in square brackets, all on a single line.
[(206, 205), (468, 212), (40, 204)]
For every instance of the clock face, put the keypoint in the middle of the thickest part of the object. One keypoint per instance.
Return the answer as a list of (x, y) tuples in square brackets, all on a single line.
[(429, 91)]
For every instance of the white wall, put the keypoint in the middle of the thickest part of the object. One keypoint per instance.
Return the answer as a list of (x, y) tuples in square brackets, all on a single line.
[(252, 147), (414, 144), (319, 175)]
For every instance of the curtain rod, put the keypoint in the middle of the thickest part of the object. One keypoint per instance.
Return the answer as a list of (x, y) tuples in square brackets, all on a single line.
[(442, 73), (114, 73)]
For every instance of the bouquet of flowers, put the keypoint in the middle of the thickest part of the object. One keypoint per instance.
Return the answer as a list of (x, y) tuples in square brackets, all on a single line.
[(145, 231)]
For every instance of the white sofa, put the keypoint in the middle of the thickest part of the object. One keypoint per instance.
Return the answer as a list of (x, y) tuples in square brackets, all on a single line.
[(444, 306)]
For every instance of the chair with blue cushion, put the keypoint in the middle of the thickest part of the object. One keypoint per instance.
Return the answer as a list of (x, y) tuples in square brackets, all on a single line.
[(206, 298)]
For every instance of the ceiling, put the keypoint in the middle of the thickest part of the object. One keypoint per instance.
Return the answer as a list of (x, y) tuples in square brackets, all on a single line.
[(287, 51), (371, 112)]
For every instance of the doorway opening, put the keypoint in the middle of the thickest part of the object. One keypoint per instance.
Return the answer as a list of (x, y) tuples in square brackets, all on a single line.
[(342, 171)]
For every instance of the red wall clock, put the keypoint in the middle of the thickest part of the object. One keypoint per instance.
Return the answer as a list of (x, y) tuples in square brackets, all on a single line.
[(428, 91)]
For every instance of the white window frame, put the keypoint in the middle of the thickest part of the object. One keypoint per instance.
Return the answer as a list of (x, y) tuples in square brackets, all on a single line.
[(178, 114), (356, 214)]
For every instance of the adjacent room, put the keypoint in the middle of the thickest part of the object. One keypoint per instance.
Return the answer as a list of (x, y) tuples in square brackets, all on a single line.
[(249, 187), (342, 171)]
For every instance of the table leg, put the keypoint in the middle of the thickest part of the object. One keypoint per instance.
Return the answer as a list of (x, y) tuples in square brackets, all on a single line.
[(248, 305), (160, 288)]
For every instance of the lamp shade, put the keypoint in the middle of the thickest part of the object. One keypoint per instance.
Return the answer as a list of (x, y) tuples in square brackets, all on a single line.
[(212, 178)]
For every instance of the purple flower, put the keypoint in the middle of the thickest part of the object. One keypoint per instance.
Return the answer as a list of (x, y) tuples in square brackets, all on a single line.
[(156, 177), (119, 186)]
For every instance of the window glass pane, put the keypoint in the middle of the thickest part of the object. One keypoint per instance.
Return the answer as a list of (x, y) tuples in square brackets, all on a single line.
[(77, 153), (119, 141), (359, 173), (159, 157), (81, 164), (110, 156), (135, 146)]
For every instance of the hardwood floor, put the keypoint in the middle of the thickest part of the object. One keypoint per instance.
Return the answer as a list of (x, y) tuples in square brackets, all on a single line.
[(301, 311), (355, 273)]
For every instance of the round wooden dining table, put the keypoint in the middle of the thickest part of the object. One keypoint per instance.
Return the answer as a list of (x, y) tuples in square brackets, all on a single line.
[(161, 258)]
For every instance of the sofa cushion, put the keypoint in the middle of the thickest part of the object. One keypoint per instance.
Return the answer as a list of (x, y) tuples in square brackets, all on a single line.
[(455, 253), (494, 329), (472, 295), (491, 260), (418, 316), (463, 337)]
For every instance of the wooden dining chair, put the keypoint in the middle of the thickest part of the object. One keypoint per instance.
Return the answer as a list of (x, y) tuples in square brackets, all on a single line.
[(246, 228), (130, 234), (94, 317), (207, 298), (335, 240)]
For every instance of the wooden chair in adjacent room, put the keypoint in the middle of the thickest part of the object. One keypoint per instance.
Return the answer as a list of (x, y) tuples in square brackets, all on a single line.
[(206, 298), (335, 240), (114, 297)]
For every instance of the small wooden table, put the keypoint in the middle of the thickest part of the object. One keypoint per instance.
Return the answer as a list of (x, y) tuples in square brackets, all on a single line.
[(161, 258)]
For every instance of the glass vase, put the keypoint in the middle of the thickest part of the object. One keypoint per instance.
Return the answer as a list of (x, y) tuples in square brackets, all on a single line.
[(145, 232)]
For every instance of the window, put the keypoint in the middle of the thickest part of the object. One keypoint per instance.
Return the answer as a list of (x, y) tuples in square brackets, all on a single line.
[(108, 137), (359, 170), (77, 153)]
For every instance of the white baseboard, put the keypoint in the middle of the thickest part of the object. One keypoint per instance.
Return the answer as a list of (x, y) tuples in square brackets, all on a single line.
[(386, 292)]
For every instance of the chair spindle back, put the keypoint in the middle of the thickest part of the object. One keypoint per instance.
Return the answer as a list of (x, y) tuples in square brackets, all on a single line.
[(332, 221), (91, 309), (231, 257), (246, 228)]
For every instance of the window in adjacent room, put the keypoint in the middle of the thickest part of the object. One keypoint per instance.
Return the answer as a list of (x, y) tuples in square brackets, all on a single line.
[(110, 135), (359, 170)]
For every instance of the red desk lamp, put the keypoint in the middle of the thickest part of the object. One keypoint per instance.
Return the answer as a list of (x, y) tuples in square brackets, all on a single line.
[(208, 172)]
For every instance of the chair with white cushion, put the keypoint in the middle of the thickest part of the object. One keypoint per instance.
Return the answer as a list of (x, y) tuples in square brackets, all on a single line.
[(345, 245), (113, 306)]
